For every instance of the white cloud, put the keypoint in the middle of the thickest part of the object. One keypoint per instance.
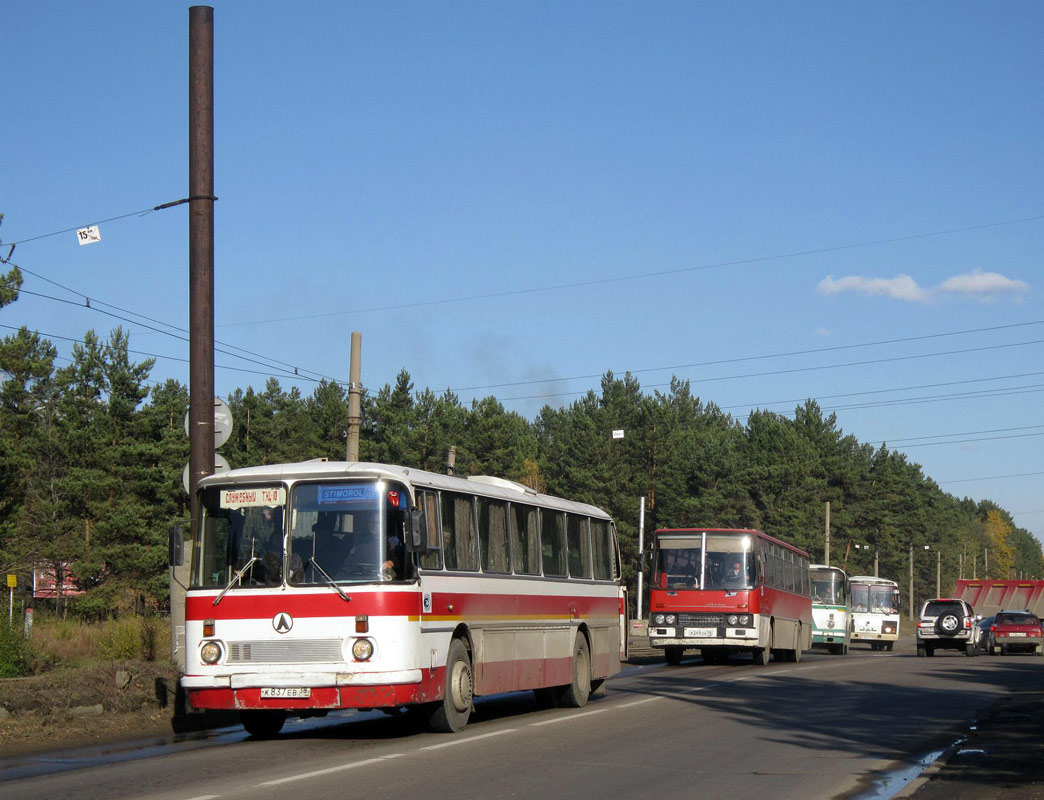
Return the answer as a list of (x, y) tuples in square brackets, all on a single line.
[(982, 286), (901, 287)]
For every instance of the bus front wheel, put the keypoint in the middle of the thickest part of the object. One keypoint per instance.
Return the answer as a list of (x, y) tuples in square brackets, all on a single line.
[(673, 655), (575, 693), (452, 713), (262, 724)]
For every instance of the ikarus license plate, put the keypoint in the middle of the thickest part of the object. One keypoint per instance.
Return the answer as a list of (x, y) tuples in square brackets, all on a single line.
[(699, 633)]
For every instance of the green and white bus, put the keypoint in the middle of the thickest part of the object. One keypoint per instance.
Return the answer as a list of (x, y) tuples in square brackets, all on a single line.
[(831, 609)]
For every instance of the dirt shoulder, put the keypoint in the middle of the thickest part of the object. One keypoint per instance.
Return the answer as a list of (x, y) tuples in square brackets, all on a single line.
[(88, 705)]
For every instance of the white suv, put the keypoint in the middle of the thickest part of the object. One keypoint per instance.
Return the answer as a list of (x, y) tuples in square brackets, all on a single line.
[(947, 623)]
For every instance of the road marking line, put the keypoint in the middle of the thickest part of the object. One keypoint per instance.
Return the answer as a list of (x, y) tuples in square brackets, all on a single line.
[(330, 770), (469, 739), (566, 718)]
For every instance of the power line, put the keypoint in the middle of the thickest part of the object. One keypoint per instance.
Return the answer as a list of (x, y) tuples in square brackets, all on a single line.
[(997, 478), (271, 372), (741, 359), (794, 370), (143, 212), (640, 276), (290, 370), (884, 391)]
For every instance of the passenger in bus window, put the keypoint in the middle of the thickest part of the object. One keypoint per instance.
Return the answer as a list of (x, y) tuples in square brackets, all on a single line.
[(270, 542), (330, 549), (364, 548)]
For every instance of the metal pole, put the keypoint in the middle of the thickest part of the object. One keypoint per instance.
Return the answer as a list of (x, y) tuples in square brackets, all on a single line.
[(641, 549), (354, 396), (201, 245), (876, 555), (826, 537)]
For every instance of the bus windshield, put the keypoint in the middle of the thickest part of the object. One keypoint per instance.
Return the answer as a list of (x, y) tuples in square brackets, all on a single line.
[(875, 599), (828, 587), (682, 563), (338, 531)]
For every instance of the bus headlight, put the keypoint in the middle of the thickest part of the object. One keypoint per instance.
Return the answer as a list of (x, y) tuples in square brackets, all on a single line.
[(657, 619), (210, 652), (362, 649), (670, 619), (733, 619)]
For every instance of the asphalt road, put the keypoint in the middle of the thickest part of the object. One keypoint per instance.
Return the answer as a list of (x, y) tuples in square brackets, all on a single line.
[(864, 725)]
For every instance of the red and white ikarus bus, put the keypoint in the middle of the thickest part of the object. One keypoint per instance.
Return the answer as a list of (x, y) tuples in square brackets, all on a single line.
[(727, 591), (331, 585)]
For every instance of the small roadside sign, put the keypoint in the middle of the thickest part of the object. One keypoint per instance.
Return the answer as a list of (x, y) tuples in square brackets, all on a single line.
[(88, 235), (618, 433), (12, 581)]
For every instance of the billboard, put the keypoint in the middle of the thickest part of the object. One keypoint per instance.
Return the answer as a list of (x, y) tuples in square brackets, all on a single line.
[(44, 582)]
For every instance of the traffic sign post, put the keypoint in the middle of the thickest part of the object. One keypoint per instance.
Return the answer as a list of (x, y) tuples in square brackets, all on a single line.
[(12, 582)]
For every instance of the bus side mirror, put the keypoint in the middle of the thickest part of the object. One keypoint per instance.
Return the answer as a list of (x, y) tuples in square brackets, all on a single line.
[(176, 547), (417, 539)]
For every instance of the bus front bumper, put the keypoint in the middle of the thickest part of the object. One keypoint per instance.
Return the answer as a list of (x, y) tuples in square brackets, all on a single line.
[(703, 637)]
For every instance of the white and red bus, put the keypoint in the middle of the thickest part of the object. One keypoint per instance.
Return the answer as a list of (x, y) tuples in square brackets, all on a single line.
[(727, 591), (331, 585)]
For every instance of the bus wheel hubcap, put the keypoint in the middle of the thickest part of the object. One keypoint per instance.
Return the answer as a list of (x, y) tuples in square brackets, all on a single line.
[(460, 686)]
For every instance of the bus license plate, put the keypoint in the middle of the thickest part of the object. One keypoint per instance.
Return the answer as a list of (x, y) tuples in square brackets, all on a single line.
[(698, 633), (286, 691)]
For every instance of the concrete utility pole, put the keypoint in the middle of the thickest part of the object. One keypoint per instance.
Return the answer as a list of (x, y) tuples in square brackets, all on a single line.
[(354, 396), (641, 549), (911, 585), (826, 546), (938, 572)]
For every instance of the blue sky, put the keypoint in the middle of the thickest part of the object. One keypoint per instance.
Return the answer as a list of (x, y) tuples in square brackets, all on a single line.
[(774, 201)]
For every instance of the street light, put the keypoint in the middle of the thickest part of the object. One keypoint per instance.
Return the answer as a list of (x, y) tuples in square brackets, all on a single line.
[(938, 575), (867, 547), (938, 569)]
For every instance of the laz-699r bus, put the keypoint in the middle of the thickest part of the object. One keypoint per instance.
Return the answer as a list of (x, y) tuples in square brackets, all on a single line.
[(831, 609), (728, 591), (330, 585)]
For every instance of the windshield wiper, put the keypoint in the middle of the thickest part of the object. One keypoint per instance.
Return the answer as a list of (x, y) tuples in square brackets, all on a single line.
[(236, 578), (330, 580)]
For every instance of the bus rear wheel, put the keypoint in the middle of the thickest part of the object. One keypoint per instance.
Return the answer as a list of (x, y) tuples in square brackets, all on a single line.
[(452, 713), (575, 693)]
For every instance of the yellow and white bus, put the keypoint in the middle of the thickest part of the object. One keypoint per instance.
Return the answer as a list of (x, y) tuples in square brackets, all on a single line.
[(875, 611)]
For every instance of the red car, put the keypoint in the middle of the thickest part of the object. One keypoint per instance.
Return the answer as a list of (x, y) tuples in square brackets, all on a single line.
[(1013, 631)]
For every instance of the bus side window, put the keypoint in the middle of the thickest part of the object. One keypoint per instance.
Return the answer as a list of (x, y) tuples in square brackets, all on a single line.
[(525, 540), (429, 505), (493, 535), (552, 543), (601, 550), (577, 545)]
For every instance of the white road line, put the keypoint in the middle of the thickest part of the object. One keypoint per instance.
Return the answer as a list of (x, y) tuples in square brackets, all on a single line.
[(455, 742), (306, 775), (566, 718)]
